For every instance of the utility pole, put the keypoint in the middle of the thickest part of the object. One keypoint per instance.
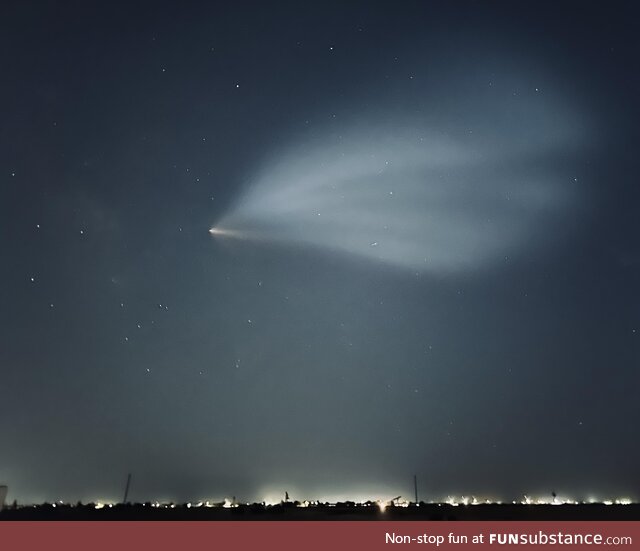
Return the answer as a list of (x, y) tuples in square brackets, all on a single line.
[(126, 489), (415, 487)]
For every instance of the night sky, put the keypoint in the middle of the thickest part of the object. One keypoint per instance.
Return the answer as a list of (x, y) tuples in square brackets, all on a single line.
[(424, 260)]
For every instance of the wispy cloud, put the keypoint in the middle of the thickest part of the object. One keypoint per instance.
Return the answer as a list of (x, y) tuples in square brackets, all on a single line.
[(414, 198)]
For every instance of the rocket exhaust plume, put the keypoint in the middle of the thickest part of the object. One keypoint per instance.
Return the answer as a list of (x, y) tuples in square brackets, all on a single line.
[(421, 198), (222, 232)]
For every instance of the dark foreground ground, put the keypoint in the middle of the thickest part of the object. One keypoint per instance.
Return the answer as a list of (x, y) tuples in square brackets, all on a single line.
[(340, 511)]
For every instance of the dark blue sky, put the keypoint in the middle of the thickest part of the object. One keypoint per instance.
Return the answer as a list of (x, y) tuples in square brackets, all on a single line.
[(320, 359)]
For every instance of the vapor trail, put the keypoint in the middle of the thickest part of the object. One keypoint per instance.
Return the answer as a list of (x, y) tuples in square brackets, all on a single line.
[(410, 198)]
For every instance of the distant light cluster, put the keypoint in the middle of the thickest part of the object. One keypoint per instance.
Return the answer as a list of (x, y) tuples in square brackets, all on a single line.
[(381, 504)]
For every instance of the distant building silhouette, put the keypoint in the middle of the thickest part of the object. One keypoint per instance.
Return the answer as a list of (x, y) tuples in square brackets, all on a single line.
[(3, 495)]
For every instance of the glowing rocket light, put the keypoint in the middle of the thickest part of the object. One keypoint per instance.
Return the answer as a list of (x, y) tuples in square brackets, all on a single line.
[(223, 232)]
